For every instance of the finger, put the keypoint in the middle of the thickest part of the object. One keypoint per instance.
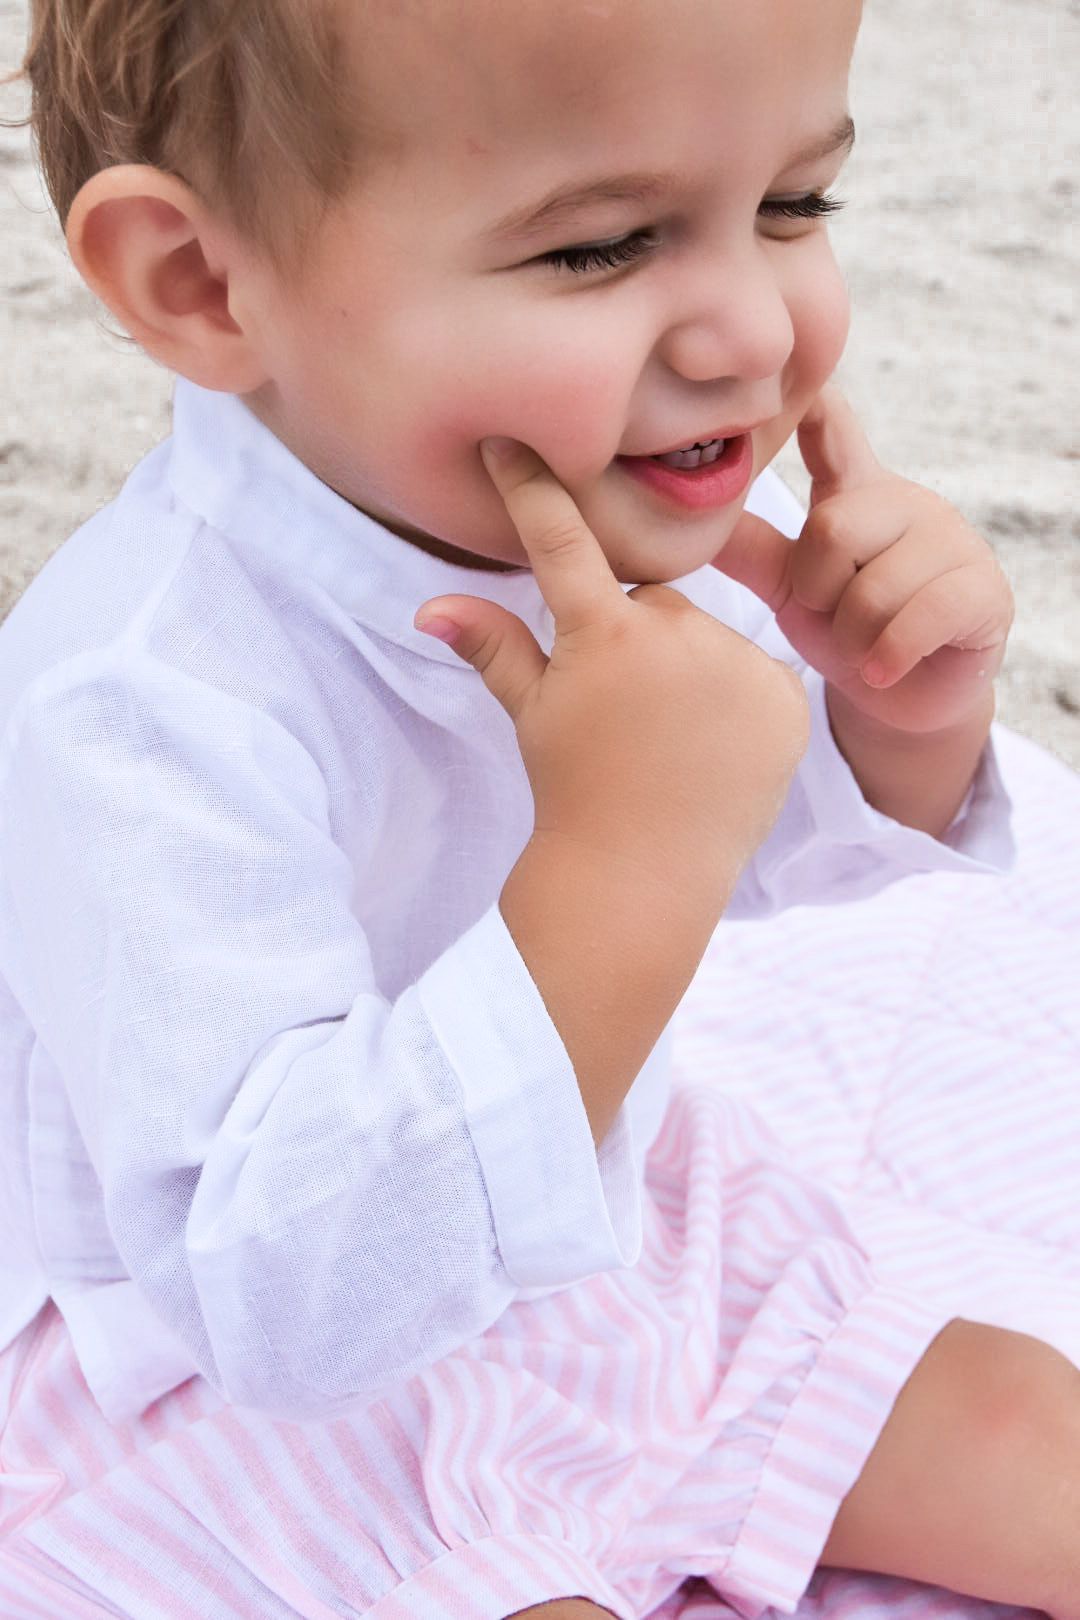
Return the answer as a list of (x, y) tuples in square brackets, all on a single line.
[(834, 447), (574, 576), (663, 597), (495, 642), (880, 589), (840, 536), (956, 609), (760, 557)]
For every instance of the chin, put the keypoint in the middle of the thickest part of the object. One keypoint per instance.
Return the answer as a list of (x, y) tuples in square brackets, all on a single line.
[(662, 569)]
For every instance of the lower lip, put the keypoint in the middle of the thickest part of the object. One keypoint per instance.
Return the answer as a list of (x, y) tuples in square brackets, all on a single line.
[(698, 489)]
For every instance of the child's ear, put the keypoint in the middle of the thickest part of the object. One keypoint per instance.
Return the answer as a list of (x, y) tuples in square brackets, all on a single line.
[(150, 250)]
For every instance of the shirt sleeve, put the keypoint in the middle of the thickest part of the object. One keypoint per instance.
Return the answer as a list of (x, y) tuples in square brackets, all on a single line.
[(317, 1190), (829, 845)]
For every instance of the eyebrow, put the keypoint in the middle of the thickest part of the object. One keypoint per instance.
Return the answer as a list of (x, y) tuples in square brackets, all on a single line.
[(562, 203)]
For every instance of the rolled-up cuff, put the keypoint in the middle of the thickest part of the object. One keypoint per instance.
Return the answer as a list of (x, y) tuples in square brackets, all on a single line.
[(562, 1208), (980, 838)]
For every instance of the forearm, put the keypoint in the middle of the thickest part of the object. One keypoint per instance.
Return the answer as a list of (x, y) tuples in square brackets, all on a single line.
[(612, 948), (919, 779)]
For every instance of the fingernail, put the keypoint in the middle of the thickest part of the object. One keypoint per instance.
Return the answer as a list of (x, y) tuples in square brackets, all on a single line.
[(497, 449), (442, 629), (874, 674)]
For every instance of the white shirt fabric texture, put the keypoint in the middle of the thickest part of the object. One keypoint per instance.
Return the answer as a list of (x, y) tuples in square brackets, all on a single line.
[(282, 1103)]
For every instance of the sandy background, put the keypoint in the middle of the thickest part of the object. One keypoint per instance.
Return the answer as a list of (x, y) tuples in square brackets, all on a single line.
[(961, 249)]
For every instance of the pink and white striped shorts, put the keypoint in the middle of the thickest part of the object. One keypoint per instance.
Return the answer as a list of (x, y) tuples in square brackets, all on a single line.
[(701, 1415)]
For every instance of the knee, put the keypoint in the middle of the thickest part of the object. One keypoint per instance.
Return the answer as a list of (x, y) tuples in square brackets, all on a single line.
[(1022, 1392), (563, 1609), (1026, 1413)]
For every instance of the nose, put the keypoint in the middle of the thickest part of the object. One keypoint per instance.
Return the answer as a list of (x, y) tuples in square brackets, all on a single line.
[(731, 321)]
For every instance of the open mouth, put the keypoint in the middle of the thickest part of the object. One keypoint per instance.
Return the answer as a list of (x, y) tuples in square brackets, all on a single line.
[(702, 454), (709, 474)]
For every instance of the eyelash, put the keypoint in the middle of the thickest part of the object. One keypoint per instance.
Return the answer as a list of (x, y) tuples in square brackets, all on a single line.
[(610, 255)]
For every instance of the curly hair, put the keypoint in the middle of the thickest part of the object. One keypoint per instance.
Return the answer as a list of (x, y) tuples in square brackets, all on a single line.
[(248, 101)]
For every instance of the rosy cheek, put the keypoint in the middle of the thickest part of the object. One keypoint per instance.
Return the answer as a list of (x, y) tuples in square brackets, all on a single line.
[(822, 323), (820, 314), (572, 417)]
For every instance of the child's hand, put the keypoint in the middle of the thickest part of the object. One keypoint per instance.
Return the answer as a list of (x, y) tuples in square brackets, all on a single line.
[(888, 592), (652, 731), (659, 745)]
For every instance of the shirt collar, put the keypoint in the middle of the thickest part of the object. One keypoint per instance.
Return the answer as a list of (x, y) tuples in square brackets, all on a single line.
[(229, 469)]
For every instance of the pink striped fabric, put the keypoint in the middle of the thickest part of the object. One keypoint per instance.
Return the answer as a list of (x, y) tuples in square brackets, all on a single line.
[(609, 1441), (875, 1128), (925, 1064)]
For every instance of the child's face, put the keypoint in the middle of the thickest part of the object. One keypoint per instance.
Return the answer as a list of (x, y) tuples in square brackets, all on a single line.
[(421, 328)]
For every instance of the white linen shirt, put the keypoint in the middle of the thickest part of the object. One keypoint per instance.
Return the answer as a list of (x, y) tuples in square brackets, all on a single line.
[(282, 1103)]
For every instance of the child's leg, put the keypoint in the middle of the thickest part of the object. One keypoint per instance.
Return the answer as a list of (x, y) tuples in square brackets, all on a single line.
[(563, 1609), (974, 1483)]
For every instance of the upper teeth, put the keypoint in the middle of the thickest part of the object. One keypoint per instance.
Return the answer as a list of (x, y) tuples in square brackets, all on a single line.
[(695, 455)]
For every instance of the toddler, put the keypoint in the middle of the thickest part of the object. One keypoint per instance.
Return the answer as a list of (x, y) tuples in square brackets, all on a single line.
[(369, 795)]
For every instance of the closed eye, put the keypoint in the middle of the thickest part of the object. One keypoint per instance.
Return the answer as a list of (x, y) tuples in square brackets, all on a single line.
[(811, 206), (601, 255), (625, 250)]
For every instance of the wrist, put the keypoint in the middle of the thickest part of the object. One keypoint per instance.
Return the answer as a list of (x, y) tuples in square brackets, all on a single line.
[(846, 715), (919, 778)]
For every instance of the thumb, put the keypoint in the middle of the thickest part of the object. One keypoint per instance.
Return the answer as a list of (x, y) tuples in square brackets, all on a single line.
[(758, 556), (495, 642)]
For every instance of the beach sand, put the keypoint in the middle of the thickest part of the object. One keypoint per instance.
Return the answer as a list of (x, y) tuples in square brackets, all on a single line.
[(960, 248)]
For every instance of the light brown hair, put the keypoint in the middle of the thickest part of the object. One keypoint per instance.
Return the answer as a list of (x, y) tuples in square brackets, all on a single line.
[(246, 100)]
